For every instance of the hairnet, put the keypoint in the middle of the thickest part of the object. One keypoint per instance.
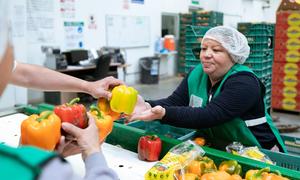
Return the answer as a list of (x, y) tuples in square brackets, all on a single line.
[(233, 41)]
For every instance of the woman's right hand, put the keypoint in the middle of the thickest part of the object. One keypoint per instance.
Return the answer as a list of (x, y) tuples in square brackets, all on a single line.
[(87, 139)]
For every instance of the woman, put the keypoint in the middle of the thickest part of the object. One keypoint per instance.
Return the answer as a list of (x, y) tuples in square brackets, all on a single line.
[(221, 98)]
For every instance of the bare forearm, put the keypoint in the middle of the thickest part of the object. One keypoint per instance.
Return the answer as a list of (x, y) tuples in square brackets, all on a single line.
[(37, 77)]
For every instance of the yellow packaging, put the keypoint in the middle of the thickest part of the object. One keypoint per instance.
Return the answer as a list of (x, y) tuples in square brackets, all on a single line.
[(174, 161)]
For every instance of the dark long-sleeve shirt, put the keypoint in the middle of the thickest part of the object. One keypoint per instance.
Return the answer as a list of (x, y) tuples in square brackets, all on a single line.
[(240, 96)]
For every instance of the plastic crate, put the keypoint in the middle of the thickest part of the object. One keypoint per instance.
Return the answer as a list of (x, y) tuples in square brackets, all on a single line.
[(284, 160), (292, 145), (196, 31), (265, 29), (29, 109), (162, 129), (128, 137)]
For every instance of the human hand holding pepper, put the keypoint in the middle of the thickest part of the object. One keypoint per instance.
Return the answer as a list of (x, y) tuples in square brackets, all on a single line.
[(87, 139), (73, 113), (101, 88)]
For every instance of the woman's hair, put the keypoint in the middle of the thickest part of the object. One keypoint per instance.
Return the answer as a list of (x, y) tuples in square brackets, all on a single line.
[(232, 40)]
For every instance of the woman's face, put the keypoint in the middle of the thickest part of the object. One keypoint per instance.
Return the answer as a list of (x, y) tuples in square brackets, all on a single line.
[(215, 59)]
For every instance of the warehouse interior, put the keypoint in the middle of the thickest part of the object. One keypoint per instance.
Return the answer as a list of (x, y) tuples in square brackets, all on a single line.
[(153, 46)]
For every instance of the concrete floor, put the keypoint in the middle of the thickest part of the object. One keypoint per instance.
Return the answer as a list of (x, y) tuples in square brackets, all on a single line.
[(167, 85)]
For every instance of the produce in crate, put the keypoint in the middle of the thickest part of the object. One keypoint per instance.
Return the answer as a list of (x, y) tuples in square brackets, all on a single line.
[(263, 174), (201, 165), (200, 141), (149, 148), (41, 130), (123, 99), (104, 106), (231, 167), (72, 112), (103, 122), (250, 152), (172, 165)]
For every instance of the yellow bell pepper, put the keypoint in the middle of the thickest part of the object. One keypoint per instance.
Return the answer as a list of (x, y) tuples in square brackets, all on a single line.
[(41, 130), (123, 99)]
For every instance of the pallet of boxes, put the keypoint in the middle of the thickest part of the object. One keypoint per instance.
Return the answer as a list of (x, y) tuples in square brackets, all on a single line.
[(286, 67)]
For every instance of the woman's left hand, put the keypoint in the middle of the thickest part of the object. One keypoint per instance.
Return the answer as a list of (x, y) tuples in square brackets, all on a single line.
[(151, 114)]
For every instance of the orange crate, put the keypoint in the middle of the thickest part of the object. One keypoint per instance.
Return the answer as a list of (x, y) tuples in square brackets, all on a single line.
[(285, 80), (286, 68), (287, 44), (285, 31), (286, 92), (288, 17), (282, 17), (292, 56), (289, 104)]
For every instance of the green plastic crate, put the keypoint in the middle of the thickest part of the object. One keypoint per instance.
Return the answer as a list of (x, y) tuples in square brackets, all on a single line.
[(30, 109), (163, 129), (128, 137), (292, 144), (284, 160), (266, 29)]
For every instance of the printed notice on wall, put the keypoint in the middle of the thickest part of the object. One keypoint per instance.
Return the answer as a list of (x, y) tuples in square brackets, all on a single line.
[(74, 35), (40, 21), (68, 9)]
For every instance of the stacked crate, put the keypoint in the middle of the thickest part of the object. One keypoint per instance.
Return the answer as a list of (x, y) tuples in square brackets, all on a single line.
[(286, 70), (207, 18), (191, 33), (185, 19), (193, 38), (260, 38)]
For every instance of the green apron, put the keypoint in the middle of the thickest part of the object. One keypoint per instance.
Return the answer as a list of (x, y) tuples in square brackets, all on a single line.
[(234, 130), (22, 163)]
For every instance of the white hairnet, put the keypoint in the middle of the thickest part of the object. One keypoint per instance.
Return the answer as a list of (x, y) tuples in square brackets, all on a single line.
[(232, 40)]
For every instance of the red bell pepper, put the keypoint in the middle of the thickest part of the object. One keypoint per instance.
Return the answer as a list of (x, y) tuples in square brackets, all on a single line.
[(149, 148), (72, 113)]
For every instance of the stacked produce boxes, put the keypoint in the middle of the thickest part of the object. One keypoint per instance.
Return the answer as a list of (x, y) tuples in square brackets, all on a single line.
[(260, 38), (185, 19), (190, 25), (286, 75)]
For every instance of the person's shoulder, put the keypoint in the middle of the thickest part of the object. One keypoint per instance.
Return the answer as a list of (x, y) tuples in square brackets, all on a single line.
[(244, 78)]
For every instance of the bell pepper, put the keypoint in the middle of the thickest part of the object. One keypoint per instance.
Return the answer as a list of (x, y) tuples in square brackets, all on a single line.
[(41, 130), (149, 148), (272, 176), (207, 165), (72, 113), (103, 122), (200, 141), (231, 167), (196, 167), (104, 106), (218, 175), (123, 99), (256, 174)]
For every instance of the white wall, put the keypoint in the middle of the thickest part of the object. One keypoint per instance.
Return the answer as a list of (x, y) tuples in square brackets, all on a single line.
[(234, 11)]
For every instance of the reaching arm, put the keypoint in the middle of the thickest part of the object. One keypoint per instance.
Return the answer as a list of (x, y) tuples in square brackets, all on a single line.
[(37, 77)]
